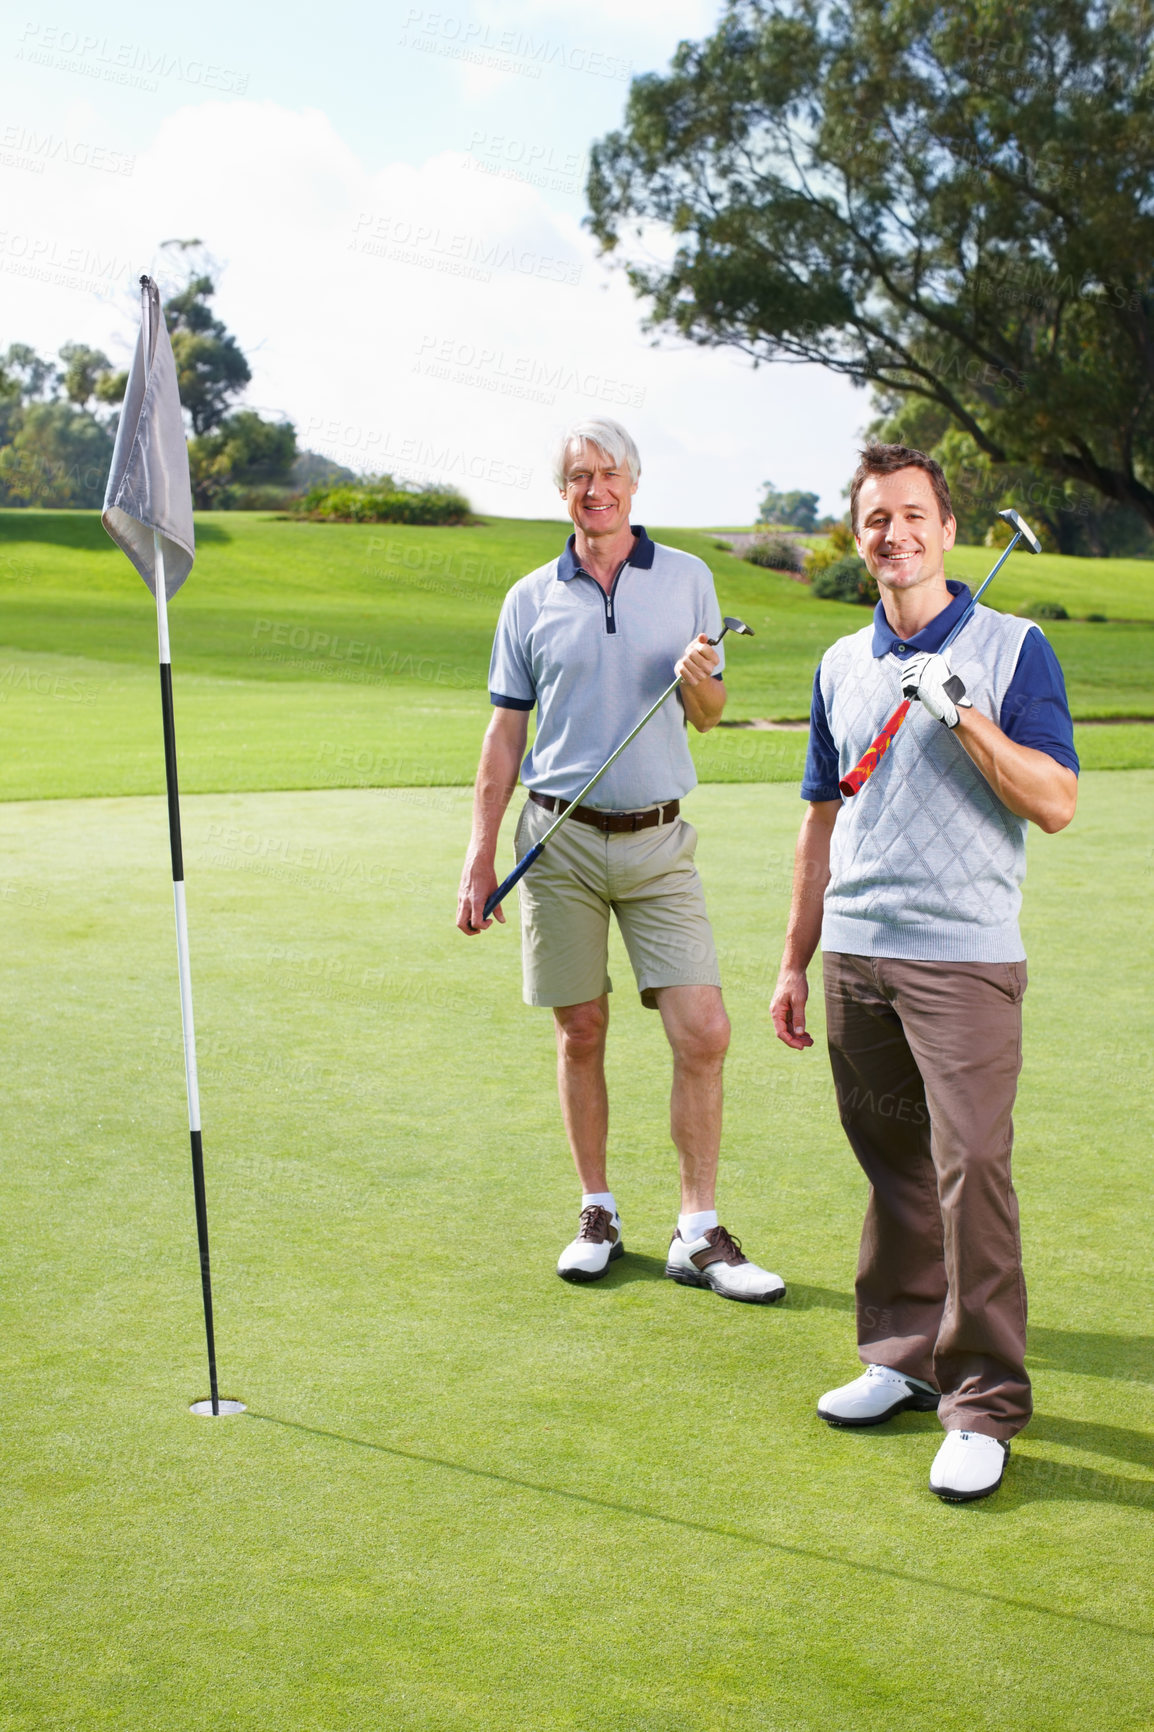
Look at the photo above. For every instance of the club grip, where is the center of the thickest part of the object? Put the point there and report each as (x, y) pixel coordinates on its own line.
(514, 877)
(868, 763)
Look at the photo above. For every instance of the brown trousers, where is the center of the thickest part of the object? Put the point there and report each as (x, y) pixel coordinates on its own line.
(925, 1059)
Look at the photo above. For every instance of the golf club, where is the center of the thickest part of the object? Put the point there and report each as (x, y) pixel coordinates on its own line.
(856, 778)
(534, 853)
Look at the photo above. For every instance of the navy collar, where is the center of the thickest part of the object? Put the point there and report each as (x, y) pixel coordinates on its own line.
(642, 555)
(932, 636)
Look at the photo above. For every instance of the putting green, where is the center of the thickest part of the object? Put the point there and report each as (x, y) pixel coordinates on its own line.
(466, 1495)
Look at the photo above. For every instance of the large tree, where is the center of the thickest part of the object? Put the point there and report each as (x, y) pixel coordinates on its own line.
(953, 203)
(58, 457)
(795, 509)
(242, 455)
(210, 366)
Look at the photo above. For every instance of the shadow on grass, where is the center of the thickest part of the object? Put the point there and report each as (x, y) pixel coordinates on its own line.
(955, 1588)
(633, 1266)
(81, 529)
(800, 1298)
(78, 529)
(1129, 1358)
(1124, 1358)
(1087, 1434)
(1030, 1480)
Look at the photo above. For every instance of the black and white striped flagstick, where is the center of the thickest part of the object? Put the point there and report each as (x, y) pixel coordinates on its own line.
(214, 1405)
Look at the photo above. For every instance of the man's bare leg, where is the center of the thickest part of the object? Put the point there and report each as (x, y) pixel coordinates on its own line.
(698, 1032)
(581, 1031)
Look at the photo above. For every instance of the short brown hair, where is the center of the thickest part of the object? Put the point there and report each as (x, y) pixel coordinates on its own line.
(879, 459)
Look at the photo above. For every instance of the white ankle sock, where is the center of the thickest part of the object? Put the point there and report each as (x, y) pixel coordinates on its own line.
(696, 1226)
(598, 1200)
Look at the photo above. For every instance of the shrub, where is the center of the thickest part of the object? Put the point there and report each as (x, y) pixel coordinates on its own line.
(846, 580)
(1095, 619)
(381, 499)
(1045, 610)
(777, 553)
(837, 545)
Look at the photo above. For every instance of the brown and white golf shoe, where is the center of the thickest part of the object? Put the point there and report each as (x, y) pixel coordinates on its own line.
(716, 1260)
(598, 1243)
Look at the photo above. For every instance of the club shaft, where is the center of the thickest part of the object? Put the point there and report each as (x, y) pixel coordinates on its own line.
(610, 760)
(523, 865)
(974, 600)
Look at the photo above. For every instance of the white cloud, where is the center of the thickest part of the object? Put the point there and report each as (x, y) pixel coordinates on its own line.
(436, 319)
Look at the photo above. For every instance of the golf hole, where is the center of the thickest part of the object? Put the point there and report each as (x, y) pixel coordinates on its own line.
(223, 1406)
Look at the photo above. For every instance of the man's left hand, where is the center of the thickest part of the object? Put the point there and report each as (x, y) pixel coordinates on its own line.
(698, 662)
(928, 678)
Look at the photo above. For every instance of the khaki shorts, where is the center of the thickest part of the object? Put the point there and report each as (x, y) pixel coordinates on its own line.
(647, 878)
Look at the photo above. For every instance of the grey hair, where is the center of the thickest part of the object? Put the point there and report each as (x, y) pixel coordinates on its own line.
(608, 436)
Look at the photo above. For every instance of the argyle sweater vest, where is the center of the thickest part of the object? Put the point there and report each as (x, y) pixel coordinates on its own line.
(925, 862)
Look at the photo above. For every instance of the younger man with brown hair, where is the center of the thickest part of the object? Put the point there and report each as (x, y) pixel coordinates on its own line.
(913, 889)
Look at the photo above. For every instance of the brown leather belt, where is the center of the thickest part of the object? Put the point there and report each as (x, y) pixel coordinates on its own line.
(612, 823)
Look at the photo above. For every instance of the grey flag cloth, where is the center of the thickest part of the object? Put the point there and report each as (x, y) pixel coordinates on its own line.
(148, 485)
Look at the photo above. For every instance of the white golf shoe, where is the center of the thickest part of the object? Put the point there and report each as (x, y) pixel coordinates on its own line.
(969, 1465)
(598, 1243)
(716, 1260)
(876, 1396)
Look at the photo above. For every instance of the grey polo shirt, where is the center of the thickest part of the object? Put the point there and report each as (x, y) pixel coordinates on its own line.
(592, 663)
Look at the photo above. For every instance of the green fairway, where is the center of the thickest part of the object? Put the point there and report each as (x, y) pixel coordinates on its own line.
(466, 1495)
(347, 655)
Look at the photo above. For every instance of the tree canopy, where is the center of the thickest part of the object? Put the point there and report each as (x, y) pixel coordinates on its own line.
(53, 450)
(58, 457)
(953, 203)
(240, 457)
(210, 366)
(793, 510)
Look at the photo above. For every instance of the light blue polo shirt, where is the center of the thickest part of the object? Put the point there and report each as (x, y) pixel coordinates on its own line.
(592, 663)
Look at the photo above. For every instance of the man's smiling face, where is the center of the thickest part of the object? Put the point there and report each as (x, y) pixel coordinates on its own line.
(598, 495)
(900, 533)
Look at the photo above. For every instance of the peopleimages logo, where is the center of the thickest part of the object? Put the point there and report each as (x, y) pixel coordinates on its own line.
(525, 377)
(473, 256)
(24, 147)
(128, 63)
(511, 50)
(46, 259)
(417, 460)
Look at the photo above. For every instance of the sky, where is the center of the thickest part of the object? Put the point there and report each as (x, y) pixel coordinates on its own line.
(393, 198)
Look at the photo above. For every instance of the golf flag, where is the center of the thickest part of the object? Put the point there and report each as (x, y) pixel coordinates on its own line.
(148, 491)
(148, 513)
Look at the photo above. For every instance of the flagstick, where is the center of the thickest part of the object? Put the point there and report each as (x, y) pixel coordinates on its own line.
(183, 965)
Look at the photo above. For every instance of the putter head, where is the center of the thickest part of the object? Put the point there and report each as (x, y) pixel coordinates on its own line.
(1023, 529)
(731, 624)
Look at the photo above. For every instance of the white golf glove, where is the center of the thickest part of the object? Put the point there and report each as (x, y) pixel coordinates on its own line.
(928, 678)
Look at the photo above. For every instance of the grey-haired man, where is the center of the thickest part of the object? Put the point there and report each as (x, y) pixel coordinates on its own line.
(590, 640)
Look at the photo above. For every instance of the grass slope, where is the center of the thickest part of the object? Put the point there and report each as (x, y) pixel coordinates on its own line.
(467, 1496)
(310, 655)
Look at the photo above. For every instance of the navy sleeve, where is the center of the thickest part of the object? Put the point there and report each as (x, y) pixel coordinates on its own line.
(821, 759)
(1034, 710)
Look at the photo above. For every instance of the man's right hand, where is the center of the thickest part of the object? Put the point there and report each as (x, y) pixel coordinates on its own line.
(478, 882)
(788, 1008)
